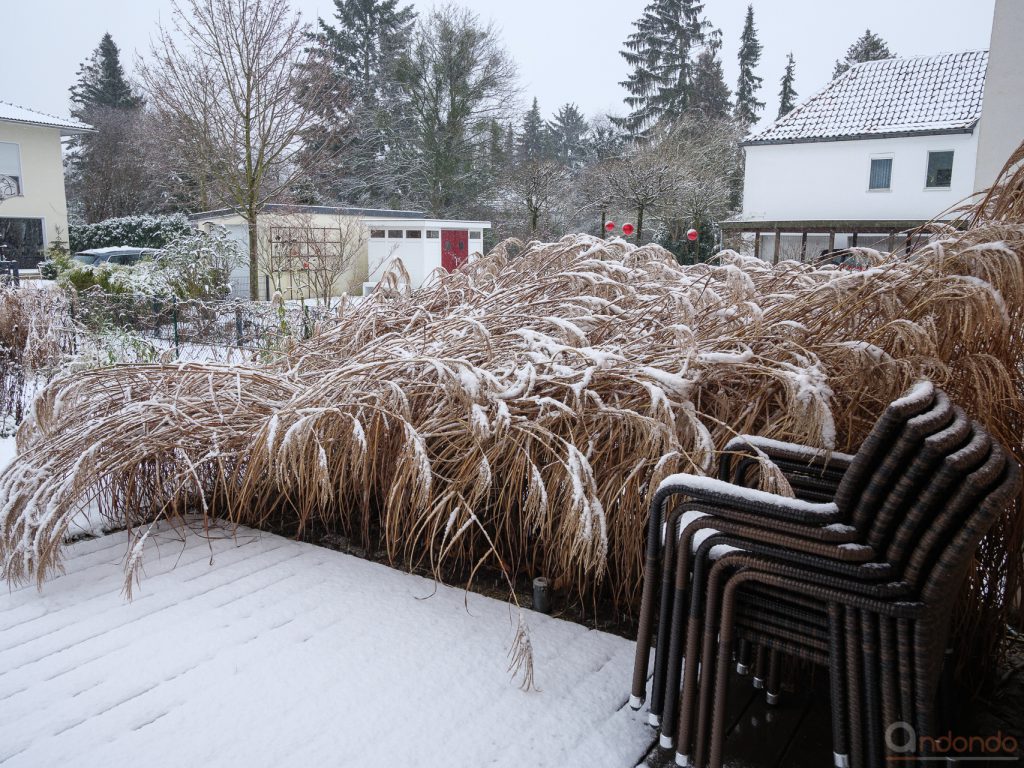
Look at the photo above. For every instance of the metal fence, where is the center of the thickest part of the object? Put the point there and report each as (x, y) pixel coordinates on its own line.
(125, 328)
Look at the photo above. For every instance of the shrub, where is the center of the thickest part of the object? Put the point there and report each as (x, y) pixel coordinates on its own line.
(136, 231)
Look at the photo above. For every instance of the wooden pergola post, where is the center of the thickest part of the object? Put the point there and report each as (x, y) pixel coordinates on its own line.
(831, 239)
(757, 245)
(853, 240)
(910, 240)
(803, 246)
(892, 240)
(775, 247)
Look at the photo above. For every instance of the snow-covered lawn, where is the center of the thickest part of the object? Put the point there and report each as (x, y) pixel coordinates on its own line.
(261, 651)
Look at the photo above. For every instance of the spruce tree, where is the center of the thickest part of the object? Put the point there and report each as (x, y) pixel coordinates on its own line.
(569, 135)
(660, 53)
(710, 93)
(787, 95)
(747, 104)
(533, 140)
(363, 46)
(101, 81)
(867, 47)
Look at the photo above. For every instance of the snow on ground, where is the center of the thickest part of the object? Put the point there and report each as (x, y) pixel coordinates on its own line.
(6, 451)
(261, 651)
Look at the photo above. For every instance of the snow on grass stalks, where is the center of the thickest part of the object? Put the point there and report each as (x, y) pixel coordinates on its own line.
(522, 409)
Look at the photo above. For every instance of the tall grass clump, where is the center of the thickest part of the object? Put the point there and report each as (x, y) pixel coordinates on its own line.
(520, 410)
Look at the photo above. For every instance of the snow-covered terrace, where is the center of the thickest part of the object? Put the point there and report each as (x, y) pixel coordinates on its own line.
(255, 650)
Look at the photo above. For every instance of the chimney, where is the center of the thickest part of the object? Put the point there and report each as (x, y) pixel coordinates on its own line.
(1001, 128)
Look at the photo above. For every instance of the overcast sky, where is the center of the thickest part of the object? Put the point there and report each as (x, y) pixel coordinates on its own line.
(566, 50)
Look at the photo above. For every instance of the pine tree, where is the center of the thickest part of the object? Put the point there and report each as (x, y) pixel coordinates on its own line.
(569, 135)
(363, 46)
(787, 96)
(710, 93)
(660, 53)
(747, 105)
(101, 81)
(868, 47)
(533, 139)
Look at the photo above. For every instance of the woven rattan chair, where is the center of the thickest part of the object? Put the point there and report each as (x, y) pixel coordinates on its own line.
(881, 661)
(783, 514)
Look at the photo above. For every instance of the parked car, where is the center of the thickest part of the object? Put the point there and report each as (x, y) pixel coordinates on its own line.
(120, 255)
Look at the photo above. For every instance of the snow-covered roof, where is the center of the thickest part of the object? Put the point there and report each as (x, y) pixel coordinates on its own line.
(332, 210)
(892, 97)
(12, 113)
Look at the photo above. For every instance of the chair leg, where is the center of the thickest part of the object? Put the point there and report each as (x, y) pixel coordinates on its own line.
(680, 623)
(774, 677)
(853, 687)
(760, 663)
(837, 686)
(743, 658)
(652, 576)
(889, 675)
(661, 656)
(869, 652)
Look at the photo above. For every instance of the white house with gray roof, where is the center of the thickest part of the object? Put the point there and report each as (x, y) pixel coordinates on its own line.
(33, 206)
(884, 148)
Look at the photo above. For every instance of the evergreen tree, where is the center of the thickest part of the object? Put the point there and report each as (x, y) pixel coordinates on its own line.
(101, 82)
(368, 38)
(569, 135)
(868, 47)
(106, 174)
(787, 96)
(361, 51)
(710, 93)
(660, 53)
(533, 139)
(747, 105)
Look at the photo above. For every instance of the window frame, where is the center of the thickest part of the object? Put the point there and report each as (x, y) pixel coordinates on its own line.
(21, 168)
(396, 234)
(433, 234)
(476, 234)
(414, 234)
(871, 162)
(381, 236)
(927, 166)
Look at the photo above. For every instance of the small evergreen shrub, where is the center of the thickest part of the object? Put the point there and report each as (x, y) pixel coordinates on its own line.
(133, 231)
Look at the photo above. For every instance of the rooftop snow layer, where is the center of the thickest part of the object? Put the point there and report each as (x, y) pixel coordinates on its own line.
(15, 114)
(926, 94)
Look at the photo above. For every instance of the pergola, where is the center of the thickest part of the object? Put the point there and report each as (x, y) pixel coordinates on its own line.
(895, 228)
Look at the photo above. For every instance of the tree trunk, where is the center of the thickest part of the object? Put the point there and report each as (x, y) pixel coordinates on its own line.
(639, 224)
(254, 262)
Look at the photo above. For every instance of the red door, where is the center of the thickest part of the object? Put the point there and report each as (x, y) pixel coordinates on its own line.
(454, 248)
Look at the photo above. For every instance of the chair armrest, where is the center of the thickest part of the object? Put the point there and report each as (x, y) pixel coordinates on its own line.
(788, 456)
(723, 497)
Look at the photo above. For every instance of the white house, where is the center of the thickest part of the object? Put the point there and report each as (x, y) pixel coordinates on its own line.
(884, 148)
(309, 251)
(33, 207)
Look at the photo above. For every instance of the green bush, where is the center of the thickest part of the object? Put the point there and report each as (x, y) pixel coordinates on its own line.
(133, 231)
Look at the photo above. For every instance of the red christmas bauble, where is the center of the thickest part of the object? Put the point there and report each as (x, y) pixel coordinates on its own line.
(609, 226)
(628, 229)
(691, 235)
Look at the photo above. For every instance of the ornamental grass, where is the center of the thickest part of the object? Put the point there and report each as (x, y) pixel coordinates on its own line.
(518, 412)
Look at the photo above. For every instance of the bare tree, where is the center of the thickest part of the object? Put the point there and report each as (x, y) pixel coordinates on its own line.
(234, 80)
(534, 185)
(641, 180)
(318, 258)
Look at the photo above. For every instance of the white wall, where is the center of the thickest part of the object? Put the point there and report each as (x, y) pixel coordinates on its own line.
(42, 174)
(1001, 129)
(827, 181)
(412, 252)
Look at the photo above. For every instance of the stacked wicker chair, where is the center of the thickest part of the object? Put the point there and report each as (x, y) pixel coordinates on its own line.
(856, 574)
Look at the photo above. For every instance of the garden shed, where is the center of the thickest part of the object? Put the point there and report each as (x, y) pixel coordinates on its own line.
(324, 251)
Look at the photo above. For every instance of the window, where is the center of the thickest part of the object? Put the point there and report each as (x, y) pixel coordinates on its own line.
(433, 234)
(377, 234)
(10, 169)
(881, 173)
(940, 169)
(413, 233)
(396, 233)
(24, 241)
(475, 234)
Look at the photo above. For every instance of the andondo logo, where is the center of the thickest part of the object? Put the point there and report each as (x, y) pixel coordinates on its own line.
(902, 739)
